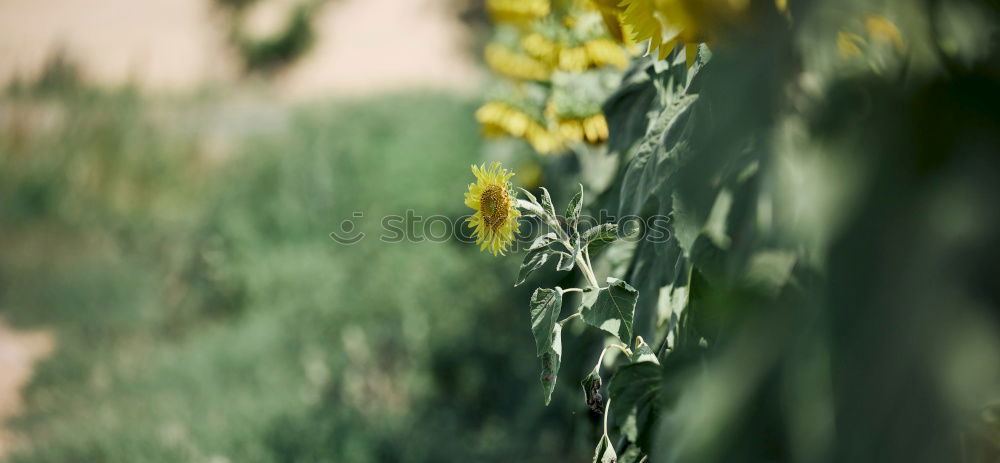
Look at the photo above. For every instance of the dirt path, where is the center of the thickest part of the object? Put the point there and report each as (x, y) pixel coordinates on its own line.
(19, 350)
(363, 46)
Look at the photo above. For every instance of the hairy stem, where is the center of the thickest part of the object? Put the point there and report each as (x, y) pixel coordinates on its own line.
(567, 319)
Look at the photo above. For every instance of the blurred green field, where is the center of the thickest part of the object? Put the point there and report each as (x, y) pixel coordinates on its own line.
(202, 313)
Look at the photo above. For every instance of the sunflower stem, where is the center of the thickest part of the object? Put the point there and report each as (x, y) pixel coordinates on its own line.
(566, 320)
(607, 408)
(587, 271)
(600, 360)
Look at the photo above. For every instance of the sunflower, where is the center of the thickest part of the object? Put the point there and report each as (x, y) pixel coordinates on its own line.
(593, 129)
(665, 23)
(518, 11)
(517, 65)
(495, 220)
(498, 118)
(882, 30)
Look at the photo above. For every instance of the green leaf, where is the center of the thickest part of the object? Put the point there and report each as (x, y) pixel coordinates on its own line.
(528, 195)
(530, 208)
(547, 204)
(573, 209)
(613, 309)
(643, 353)
(550, 363)
(595, 238)
(627, 110)
(543, 241)
(545, 306)
(657, 156)
(566, 262)
(533, 260)
(634, 387)
(770, 270)
(605, 452)
(598, 167)
(686, 225)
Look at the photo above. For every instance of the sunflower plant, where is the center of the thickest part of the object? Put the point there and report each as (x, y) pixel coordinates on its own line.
(608, 306)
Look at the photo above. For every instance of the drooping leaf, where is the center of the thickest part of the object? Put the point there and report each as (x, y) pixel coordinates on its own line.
(543, 241)
(613, 309)
(566, 262)
(530, 208)
(592, 391)
(528, 195)
(533, 260)
(550, 363)
(545, 306)
(605, 452)
(634, 387)
(599, 236)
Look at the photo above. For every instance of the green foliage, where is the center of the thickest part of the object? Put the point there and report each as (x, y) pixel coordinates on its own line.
(285, 46)
(612, 309)
(202, 310)
(545, 306)
(814, 203)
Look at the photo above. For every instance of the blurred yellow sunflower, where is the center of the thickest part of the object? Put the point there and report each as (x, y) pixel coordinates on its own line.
(495, 220)
(498, 118)
(516, 65)
(516, 11)
(879, 29)
(593, 129)
(666, 23)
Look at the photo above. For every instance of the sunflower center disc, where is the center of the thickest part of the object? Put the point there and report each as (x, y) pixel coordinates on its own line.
(494, 204)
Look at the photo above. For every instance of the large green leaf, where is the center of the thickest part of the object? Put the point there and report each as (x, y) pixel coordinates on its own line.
(658, 155)
(628, 109)
(634, 387)
(545, 306)
(634, 392)
(650, 273)
(613, 309)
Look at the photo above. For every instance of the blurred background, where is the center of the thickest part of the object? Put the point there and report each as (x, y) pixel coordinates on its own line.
(170, 172)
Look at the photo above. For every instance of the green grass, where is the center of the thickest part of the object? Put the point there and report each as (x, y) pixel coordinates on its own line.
(202, 310)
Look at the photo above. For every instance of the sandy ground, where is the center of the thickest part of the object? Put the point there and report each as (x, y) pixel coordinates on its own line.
(19, 350)
(363, 46)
